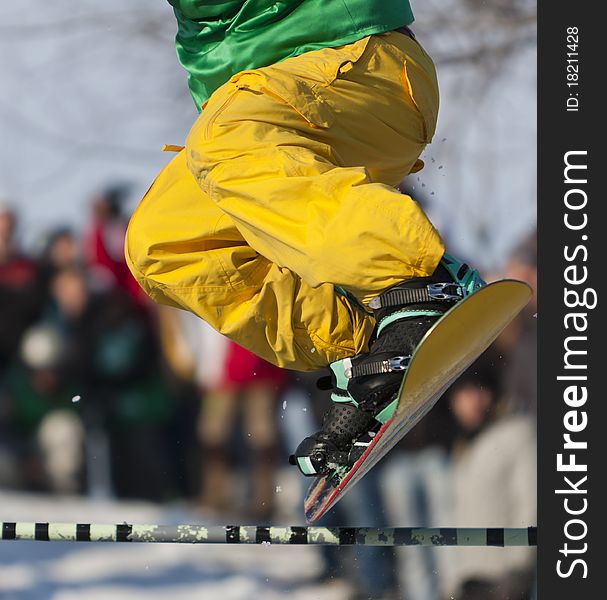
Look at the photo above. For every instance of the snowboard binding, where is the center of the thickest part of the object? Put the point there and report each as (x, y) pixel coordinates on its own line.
(345, 434)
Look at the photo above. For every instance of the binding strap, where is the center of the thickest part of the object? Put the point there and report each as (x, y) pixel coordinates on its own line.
(433, 292)
(377, 367)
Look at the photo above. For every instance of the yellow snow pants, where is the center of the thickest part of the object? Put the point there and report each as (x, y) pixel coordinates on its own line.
(285, 197)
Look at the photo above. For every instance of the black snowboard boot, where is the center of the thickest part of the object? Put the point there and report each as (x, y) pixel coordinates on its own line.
(365, 386)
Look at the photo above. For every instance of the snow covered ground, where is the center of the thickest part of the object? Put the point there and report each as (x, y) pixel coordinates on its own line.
(102, 571)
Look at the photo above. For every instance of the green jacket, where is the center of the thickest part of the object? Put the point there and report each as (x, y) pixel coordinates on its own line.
(219, 38)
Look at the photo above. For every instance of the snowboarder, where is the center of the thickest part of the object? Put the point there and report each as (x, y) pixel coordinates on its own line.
(280, 222)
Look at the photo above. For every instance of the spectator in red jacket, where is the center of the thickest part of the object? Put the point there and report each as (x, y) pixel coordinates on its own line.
(104, 243)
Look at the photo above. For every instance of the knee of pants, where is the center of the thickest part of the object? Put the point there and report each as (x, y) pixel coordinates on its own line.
(168, 235)
(136, 254)
(146, 262)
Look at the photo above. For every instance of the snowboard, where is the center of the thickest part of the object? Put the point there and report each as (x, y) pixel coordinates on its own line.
(448, 348)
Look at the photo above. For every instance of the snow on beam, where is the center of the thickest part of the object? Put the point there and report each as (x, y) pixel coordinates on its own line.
(255, 534)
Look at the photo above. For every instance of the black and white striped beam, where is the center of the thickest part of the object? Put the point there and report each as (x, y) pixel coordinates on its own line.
(243, 534)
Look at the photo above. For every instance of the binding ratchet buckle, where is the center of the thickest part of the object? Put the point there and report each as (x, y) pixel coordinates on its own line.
(398, 363)
(446, 291)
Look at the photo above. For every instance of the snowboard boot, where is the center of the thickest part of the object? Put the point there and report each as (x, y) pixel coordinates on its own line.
(365, 387)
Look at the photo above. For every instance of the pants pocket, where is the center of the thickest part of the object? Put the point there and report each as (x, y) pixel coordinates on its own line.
(298, 81)
(298, 94)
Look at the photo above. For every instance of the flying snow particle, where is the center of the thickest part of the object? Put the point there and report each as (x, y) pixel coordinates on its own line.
(278, 489)
(76, 399)
(284, 405)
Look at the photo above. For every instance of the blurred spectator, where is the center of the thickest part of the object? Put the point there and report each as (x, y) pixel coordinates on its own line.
(519, 342)
(19, 297)
(128, 396)
(60, 438)
(36, 398)
(104, 243)
(249, 386)
(237, 419)
(59, 250)
(473, 400)
(19, 307)
(494, 485)
(415, 488)
(99, 347)
(178, 368)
